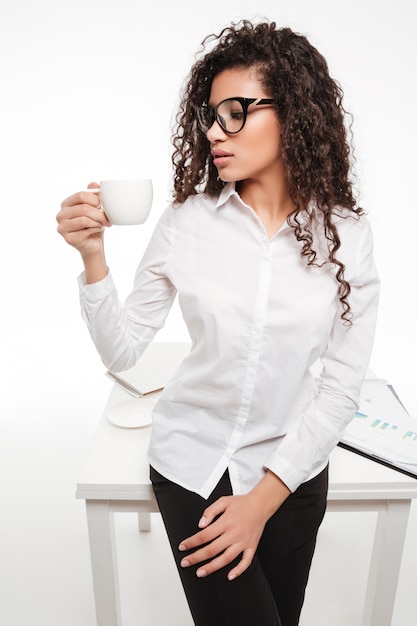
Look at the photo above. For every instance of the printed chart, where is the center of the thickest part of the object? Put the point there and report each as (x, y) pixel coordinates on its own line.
(382, 428)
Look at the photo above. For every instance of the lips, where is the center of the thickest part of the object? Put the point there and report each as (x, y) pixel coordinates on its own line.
(221, 157)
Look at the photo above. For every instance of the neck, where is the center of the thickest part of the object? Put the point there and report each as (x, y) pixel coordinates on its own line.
(271, 202)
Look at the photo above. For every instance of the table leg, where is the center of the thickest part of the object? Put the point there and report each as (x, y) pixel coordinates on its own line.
(144, 522)
(100, 518)
(385, 563)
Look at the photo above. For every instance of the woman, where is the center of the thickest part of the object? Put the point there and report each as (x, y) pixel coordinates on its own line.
(272, 262)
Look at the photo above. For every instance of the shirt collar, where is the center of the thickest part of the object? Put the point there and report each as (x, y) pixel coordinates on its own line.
(229, 190)
(226, 193)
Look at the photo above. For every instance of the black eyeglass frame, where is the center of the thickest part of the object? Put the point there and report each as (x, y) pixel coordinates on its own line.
(244, 102)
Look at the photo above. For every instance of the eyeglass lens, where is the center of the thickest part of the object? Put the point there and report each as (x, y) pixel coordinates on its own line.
(230, 115)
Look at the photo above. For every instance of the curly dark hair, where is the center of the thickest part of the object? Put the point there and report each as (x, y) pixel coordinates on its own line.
(317, 154)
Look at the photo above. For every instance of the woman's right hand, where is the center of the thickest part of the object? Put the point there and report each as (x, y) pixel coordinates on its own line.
(81, 223)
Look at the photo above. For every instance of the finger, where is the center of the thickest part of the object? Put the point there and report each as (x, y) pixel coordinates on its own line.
(245, 561)
(81, 211)
(211, 521)
(75, 211)
(82, 197)
(77, 224)
(81, 238)
(199, 539)
(218, 563)
(213, 511)
(213, 530)
(205, 553)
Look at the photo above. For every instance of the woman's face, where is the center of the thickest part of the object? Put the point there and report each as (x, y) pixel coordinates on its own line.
(254, 152)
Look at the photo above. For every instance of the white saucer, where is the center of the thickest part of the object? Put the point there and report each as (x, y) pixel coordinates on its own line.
(129, 414)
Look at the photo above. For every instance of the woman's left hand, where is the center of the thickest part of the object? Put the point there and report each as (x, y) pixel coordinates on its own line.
(233, 526)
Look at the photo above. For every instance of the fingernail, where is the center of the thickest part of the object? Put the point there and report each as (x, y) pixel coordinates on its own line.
(185, 563)
(231, 576)
(201, 573)
(181, 547)
(202, 522)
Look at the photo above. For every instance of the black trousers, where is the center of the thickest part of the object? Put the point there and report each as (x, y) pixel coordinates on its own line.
(271, 591)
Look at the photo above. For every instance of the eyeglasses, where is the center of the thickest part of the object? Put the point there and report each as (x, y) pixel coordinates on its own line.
(230, 114)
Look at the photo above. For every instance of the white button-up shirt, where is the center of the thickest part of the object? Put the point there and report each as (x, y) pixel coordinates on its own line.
(258, 317)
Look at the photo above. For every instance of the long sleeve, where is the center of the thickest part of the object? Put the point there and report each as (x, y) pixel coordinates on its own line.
(121, 333)
(312, 437)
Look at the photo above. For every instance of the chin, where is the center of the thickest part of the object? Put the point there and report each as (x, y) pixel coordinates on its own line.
(227, 178)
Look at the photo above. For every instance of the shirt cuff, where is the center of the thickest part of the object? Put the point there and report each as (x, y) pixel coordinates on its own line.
(289, 475)
(285, 471)
(95, 292)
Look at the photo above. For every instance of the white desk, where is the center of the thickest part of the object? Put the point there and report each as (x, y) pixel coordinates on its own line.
(115, 478)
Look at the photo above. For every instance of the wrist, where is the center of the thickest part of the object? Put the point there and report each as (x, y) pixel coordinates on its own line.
(269, 494)
(95, 267)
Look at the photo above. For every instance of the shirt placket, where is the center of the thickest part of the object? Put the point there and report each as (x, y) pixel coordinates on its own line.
(254, 345)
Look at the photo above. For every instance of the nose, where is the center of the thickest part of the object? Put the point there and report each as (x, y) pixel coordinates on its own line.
(216, 132)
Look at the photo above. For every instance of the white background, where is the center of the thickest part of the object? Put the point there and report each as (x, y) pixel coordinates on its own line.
(87, 91)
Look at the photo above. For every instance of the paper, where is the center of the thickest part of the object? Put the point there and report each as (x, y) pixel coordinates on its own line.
(383, 428)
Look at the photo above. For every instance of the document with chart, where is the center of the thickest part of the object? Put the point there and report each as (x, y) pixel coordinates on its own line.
(382, 429)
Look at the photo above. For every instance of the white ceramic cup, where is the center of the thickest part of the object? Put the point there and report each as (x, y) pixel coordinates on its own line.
(126, 202)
